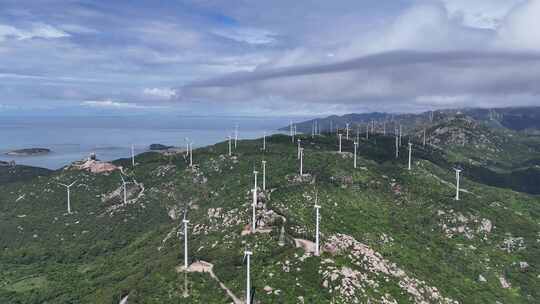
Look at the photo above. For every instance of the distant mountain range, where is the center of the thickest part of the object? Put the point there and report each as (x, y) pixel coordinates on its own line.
(513, 118)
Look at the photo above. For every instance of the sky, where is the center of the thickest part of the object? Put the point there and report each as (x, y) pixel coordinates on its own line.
(266, 58)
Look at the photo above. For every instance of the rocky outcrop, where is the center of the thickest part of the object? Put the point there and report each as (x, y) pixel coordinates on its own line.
(96, 166)
(369, 267)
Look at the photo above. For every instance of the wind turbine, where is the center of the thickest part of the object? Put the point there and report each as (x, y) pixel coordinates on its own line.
(264, 174)
(186, 222)
(68, 187)
(317, 219)
(187, 146)
(191, 154)
(298, 148)
(367, 131)
(124, 183)
(400, 133)
(230, 145)
(424, 141)
(355, 148)
(292, 133)
(254, 205)
(458, 171)
(410, 155)
(247, 260)
(235, 136)
(301, 162)
(340, 135)
(397, 146)
(132, 155)
(347, 130)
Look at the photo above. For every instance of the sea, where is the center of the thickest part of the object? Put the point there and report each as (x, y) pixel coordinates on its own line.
(72, 138)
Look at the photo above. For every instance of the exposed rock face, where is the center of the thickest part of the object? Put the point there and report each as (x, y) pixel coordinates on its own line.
(512, 244)
(461, 131)
(29, 152)
(96, 166)
(504, 283)
(352, 284)
(468, 225)
(308, 246)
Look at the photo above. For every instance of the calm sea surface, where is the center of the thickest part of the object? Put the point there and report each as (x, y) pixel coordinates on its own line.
(73, 138)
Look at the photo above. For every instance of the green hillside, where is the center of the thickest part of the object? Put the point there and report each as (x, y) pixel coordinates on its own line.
(388, 235)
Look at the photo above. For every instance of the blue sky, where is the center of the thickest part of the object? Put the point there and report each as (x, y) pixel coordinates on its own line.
(266, 57)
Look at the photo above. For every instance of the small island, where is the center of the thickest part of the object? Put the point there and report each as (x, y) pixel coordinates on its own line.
(29, 152)
(159, 147)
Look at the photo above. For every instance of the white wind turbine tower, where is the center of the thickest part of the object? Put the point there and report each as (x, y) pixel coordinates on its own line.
(298, 149)
(132, 155)
(124, 183)
(247, 260)
(397, 146)
(347, 130)
(264, 175)
(191, 154)
(301, 162)
(230, 145)
(400, 132)
(235, 136)
(340, 135)
(254, 205)
(355, 148)
(317, 219)
(367, 131)
(410, 155)
(186, 222)
(68, 187)
(458, 171)
(187, 145)
(424, 141)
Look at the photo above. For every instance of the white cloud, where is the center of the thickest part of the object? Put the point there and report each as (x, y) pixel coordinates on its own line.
(78, 29)
(247, 35)
(110, 104)
(520, 27)
(485, 14)
(160, 93)
(443, 101)
(38, 30)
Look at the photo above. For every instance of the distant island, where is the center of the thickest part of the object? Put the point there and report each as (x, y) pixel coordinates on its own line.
(28, 152)
(159, 147)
